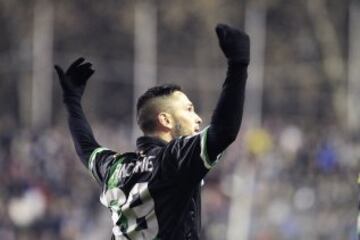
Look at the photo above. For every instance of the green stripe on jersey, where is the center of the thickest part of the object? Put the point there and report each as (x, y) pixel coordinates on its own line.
(204, 152)
(93, 157)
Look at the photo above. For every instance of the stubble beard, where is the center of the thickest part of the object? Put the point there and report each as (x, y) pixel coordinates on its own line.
(178, 130)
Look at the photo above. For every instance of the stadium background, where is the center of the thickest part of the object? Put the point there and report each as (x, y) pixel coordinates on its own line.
(291, 173)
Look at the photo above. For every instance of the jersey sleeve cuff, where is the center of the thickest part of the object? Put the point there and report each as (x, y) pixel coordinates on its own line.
(208, 163)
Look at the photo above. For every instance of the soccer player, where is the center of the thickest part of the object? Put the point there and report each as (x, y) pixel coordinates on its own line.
(154, 192)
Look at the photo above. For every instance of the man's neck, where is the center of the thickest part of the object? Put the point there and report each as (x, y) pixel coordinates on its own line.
(165, 136)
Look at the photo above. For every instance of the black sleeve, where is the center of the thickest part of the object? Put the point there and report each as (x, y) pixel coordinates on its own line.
(96, 158)
(192, 157)
(227, 116)
(80, 129)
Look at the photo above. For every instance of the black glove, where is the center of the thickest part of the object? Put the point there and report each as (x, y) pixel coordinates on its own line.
(234, 43)
(73, 81)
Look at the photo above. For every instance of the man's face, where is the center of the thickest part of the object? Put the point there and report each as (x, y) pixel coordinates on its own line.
(185, 120)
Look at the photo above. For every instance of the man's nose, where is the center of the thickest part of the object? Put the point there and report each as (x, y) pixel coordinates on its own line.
(198, 120)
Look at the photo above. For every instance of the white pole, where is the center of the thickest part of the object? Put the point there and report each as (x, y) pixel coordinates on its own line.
(244, 178)
(145, 60)
(353, 99)
(243, 184)
(255, 26)
(41, 96)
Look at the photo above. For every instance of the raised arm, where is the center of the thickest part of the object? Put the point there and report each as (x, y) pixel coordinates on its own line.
(73, 83)
(227, 116)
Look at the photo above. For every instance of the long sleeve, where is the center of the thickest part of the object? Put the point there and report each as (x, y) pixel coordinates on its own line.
(227, 116)
(80, 129)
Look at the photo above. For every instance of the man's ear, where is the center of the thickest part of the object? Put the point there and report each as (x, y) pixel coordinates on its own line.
(165, 120)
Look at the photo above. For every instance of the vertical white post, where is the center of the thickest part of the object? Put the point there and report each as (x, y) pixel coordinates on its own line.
(244, 177)
(41, 97)
(353, 96)
(255, 26)
(145, 60)
(243, 184)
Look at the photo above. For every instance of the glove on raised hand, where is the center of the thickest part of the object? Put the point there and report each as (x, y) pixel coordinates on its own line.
(234, 43)
(74, 80)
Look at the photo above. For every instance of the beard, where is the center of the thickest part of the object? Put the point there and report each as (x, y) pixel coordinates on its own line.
(178, 130)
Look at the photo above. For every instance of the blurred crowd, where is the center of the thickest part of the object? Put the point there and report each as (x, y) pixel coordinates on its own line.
(46, 192)
(304, 184)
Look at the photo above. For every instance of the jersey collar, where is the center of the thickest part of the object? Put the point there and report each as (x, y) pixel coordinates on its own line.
(145, 143)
